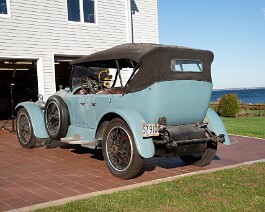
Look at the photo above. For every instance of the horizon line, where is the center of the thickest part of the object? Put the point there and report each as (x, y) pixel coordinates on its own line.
(242, 88)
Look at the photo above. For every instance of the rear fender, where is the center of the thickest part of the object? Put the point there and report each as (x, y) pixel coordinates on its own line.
(36, 117)
(135, 121)
(216, 125)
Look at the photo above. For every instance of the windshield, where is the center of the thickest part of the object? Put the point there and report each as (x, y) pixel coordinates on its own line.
(186, 65)
(94, 73)
(105, 73)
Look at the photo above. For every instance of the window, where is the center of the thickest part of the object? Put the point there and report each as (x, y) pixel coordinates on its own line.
(4, 8)
(73, 10)
(186, 65)
(81, 11)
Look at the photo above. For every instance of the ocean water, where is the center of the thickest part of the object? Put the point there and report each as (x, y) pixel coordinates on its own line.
(246, 95)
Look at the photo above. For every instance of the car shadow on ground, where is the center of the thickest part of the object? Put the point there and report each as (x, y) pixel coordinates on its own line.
(78, 149)
(94, 153)
(149, 164)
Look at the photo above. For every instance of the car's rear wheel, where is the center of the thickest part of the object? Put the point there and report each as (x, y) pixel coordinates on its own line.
(202, 159)
(119, 150)
(56, 117)
(24, 130)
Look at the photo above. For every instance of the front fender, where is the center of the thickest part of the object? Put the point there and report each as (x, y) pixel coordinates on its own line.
(145, 146)
(36, 117)
(216, 125)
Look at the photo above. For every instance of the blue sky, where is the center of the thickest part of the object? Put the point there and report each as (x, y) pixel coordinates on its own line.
(233, 29)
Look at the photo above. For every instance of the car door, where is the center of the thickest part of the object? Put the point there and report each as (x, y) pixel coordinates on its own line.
(82, 112)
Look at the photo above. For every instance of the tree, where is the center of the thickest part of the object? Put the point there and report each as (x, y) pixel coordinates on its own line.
(229, 105)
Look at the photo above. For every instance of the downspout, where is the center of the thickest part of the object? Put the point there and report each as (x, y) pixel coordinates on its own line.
(129, 22)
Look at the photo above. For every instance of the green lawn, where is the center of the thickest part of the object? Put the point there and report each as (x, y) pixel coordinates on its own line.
(238, 189)
(249, 126)
(257, 112)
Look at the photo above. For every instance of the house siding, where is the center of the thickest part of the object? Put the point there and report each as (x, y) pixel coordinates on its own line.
(145, 21)
(40, 29)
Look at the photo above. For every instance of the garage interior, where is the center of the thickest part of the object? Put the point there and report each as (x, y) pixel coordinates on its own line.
(20, 75)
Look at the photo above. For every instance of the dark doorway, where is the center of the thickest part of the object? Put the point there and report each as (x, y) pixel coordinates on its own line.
(20, 75)
(63, 70)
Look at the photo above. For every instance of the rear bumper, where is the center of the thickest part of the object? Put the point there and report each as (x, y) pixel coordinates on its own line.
(184, 140)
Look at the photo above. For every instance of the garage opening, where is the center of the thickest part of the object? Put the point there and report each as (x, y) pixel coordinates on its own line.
(20, 75)
(63, 69)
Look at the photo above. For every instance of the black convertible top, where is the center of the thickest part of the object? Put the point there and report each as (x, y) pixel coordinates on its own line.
(154, 62)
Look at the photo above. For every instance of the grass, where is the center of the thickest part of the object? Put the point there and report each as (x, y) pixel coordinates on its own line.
(251, 113)
(258, 112)
(248, 126)
(238, 189)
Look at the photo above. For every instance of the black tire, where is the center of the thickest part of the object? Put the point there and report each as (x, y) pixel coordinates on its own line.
(101, 132)
(56, 117)
(24, 129)
(205, 158)
(119, 150)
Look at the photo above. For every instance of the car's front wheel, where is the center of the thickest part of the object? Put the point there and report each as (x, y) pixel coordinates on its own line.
(119, 150)
(25, 131)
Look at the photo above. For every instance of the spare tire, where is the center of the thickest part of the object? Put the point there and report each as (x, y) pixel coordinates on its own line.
(56, 117)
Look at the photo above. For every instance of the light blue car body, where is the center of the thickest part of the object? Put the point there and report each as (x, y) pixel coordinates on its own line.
(180, 101)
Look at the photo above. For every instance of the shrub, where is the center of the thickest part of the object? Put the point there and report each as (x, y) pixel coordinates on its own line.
(229, 105)
(214, 106)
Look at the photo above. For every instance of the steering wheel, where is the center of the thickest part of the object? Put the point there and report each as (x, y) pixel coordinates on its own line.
(90, 86)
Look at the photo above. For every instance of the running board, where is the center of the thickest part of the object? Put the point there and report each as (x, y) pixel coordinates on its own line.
(76, 139)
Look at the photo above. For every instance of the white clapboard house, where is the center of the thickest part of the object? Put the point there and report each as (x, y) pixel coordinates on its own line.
(38, 39)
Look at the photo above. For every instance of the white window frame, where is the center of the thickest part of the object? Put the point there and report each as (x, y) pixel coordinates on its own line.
(8, 15)
(81, 10)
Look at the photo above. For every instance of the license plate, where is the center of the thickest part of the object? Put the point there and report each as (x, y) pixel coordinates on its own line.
(150, 130)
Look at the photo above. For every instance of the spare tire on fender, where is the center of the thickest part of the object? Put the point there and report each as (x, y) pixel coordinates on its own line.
(56, 117)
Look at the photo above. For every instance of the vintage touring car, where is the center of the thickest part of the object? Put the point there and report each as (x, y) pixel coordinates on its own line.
(133, 101)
